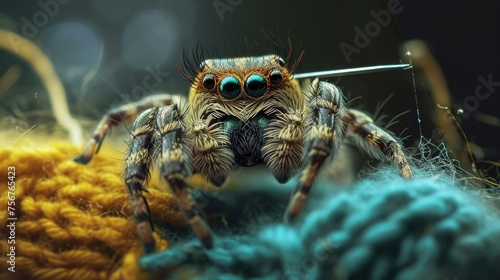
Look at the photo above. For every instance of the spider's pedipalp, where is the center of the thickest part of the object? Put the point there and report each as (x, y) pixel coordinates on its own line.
(283, 148)
(174, 159)
(213, 158)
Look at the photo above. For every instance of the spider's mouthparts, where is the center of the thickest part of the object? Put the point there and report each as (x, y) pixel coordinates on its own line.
(246, 138)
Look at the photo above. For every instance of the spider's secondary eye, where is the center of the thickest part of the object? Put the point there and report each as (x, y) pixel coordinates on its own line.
(275, 77)
(255, 85)
(202, 66)
(281, 62)
(208, 82)
(229, 87)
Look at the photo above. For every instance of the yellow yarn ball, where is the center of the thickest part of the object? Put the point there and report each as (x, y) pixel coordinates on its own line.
(73, 221)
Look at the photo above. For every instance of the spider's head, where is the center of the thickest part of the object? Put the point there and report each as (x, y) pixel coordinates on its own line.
(243, 88)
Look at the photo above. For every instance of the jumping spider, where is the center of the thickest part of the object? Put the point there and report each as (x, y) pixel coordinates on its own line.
(242, 112)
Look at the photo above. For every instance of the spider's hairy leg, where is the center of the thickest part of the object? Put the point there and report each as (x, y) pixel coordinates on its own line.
(374, 140)
(174, 159)
(325, 134)
(137, 164)
(124, 113)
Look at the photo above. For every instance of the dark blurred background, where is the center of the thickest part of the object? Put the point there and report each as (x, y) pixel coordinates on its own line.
(103, 50)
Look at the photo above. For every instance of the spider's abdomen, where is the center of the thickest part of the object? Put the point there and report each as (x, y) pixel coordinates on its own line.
(246, 138)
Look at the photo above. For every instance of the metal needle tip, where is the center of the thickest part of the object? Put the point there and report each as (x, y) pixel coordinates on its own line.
(353, 71)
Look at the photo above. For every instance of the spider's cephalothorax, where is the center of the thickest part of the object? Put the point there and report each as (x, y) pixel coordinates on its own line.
(246, 111)
(242, 112)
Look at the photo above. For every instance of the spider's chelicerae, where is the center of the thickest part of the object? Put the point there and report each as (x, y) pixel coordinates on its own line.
(242, 112)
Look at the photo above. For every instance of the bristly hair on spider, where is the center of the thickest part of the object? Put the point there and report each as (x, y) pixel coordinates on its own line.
(193, 61)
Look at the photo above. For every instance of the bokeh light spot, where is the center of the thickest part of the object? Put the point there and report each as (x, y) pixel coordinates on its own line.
(75, 50)
(148, 39)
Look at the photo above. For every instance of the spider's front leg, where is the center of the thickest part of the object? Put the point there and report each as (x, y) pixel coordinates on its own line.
(174, 159)
(138, 161)
(325, 132)
(328, 117)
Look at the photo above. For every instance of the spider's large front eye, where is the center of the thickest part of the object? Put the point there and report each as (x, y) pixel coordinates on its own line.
(275, 77)
(208, 82)
(255, 85)
(229, 87)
